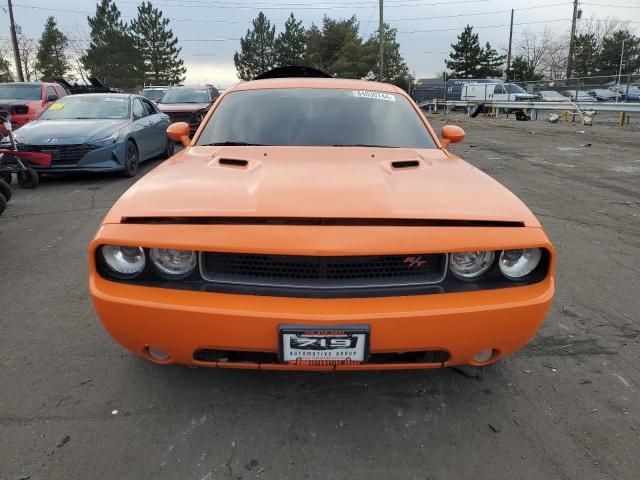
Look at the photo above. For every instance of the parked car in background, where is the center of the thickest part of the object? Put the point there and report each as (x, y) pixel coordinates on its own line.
(25, 101)
(551, 96)
(604, 95)
(320, 224)
(581, 97)
(630, 94)
(154, 92)
(98, 132)
(188, 104)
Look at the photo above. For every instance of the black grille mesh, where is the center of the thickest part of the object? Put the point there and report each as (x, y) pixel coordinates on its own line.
(323, 272)
(61, 154)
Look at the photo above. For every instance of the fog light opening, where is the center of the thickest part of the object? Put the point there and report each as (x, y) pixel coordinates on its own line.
(485, 356)
(157, 354)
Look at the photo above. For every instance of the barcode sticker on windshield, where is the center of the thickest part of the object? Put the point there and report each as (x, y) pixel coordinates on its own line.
(374, 95)
(114, 99)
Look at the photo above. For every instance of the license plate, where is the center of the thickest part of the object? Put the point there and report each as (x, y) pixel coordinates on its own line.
(333, 344)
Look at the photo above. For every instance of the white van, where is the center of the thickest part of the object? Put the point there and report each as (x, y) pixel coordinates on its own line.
(495, 92)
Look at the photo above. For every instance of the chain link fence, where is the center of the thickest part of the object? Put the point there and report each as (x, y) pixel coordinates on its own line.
(584, 90)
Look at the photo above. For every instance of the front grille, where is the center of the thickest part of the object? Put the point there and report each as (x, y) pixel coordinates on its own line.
(210, 355)
(61, 154)
(20, 109)
(312, 272)
(181, 117)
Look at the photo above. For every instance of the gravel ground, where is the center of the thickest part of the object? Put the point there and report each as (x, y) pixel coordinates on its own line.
(74, 405)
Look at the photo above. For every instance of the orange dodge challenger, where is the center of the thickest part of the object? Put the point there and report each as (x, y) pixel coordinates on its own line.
(320, 224)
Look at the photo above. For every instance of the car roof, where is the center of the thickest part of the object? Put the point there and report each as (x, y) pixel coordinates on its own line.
(313, 82)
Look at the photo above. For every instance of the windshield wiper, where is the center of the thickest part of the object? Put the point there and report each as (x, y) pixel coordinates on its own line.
(361, 145)
(235, 144)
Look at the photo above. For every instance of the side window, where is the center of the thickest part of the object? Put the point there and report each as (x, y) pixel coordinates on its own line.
(213, 93)
(50, 91)
(498, 90)
(148, 108)
(138, 110)
(61, 91)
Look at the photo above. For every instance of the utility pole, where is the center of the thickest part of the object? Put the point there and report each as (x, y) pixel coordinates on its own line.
(14, 40)
(509, 52)
(573, 34)
(381, 34)
(620, 67)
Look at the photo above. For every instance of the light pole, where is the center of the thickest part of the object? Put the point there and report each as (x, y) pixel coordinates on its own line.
(381, 52)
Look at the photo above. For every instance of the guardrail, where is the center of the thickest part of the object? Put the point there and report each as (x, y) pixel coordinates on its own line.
(521, 105)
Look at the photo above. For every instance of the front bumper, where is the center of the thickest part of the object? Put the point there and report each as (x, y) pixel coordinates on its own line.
(101, 160)
(181, 322)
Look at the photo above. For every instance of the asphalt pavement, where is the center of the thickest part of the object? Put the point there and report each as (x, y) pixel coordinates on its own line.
(74, 405)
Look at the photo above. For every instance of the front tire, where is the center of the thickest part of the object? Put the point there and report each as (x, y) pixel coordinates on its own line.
(3, 204)
(28, 178)
(7, 177)
(131, 160)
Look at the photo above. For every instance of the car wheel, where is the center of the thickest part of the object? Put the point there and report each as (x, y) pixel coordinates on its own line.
(171, 149)
(7, 177)
(131, 160)
(5, 190)
(28, 178)
(3, 204)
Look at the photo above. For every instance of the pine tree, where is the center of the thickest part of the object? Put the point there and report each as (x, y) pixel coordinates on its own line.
(585, 55)
(609, 58)
(466, 55)
(313, 39)
(158, 47)
(112, 55)
(290, 44)
(257, 49)
(522, 71)
(340, 45)
(51, 60)
(490, 63)
(394, 68)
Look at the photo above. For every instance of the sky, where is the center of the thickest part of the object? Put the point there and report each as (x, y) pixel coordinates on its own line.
(209, 30)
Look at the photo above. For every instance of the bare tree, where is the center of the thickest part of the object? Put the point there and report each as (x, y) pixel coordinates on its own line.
(601, 28)
(28, 51)
(554, 63)
(79, 39)
(534, 46)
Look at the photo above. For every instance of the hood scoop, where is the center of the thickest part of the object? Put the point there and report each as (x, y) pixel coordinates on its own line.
(400, 164)
(233, 162)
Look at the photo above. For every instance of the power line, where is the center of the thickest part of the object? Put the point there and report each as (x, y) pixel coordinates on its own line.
(475, 14)
(610, 6)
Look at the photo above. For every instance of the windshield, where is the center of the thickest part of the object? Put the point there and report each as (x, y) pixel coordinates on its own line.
(88, 107)
(186, 95)
(153, 93)
(316, 117)
(551, 94)
(20, 92)
(511, 88)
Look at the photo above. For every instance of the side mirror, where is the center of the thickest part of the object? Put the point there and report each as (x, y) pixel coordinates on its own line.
(179, 132)
(52, 98)
(451, 134)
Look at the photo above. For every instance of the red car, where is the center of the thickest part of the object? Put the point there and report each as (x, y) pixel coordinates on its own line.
(25, 101)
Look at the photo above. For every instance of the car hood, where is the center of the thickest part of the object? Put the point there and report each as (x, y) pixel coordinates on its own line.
(320, 182)
(181, 107)
(67, 131)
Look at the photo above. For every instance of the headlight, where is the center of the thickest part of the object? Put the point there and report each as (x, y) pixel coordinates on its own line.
(516, 264)
(126, 262)
(173, 264)
(110, 140)
(467, 265)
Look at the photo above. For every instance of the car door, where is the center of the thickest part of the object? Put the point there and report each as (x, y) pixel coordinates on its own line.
(158, 124)
(141, 131)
